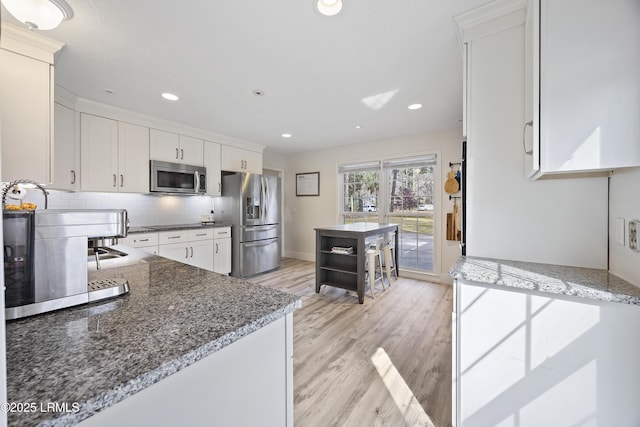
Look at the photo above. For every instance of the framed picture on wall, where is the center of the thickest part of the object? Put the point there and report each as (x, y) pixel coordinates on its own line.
(308, 184)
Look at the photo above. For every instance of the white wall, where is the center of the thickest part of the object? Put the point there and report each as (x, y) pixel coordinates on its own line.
(559, 221)
(624, 203)
(303, 214)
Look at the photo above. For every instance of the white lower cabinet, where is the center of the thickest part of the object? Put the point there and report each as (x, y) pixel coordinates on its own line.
(193, 247)
(527, 358)
(147, 242)
(222, 250)
(247, 383)
(207, 248)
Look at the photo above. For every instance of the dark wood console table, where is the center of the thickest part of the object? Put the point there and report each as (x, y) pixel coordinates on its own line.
(347, 271)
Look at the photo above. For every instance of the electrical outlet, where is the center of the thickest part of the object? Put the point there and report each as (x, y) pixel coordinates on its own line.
(634, 228)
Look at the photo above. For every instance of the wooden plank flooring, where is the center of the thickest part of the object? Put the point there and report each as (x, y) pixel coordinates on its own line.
(384, 363)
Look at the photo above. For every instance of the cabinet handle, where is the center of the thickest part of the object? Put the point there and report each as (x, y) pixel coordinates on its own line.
(114, 179)
(173, 237)
(121, 180)
(524, 131)
(181, 154)
(201, 234)
(143, 240)
(191, 251)
(73, 177)
(216, 248)
(176, 153)
(219, 187)
(186, 252)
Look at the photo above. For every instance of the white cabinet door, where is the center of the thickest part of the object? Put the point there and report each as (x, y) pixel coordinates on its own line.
(212, 163)
(239, 160)
(253, 161)
(544, 357)
(171, 147)
(191, 151)
(589, 85)
(175, 251)
(133, 158)
(164, 146)
(66, 143)
(201, 254)
(232, 159)
(222, 256)
(99, 153)
(25, 113)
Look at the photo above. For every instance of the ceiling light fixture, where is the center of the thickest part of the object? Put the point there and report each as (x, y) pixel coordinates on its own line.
(39, 14)
(170, 96)
(328, 7)
(414, 106)
(286, 135)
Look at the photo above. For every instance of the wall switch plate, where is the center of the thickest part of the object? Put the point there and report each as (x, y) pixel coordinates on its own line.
(620, 231)
(634, 229)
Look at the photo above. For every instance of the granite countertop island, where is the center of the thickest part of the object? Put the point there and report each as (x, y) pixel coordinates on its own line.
(87, 358)
(588, 283)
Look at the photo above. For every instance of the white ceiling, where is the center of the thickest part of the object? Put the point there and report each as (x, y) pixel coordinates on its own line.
(316, 72)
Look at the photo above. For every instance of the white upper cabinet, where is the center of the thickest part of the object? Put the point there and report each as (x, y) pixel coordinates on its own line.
(171, 147)
(114, 155)
(26, 104)
(212, 164)
(587, 65)
(98, 153)
(66, 166)
(239, 160)
(133, 158)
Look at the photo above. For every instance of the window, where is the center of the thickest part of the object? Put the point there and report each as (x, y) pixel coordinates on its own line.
(360, 192)
(400, 191)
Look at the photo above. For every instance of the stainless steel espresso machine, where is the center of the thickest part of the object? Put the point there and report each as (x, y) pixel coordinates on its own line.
(46, 255)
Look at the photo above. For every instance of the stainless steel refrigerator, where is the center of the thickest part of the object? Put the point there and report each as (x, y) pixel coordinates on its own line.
(251, 204)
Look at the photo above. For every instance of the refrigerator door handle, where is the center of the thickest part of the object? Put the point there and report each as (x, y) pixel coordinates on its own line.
(259, 243)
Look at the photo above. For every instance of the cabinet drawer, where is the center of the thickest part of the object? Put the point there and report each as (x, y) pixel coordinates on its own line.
(206, 234)
(139, 240)
(167, 237)
(222, 233)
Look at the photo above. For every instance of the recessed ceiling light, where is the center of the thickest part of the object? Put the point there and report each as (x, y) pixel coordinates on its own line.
(258, 92)
(170, 96)
(286, 135)
(357, 126)
(109, 91)
(328, 7)
(414, 106)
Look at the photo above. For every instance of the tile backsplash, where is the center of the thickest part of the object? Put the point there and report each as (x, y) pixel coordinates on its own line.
(142, 209)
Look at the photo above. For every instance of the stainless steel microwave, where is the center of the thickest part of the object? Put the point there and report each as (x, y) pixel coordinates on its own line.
(169, 177)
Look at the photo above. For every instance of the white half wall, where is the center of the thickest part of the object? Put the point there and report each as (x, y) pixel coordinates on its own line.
(556, 221)
(624, 203)
(303, 214)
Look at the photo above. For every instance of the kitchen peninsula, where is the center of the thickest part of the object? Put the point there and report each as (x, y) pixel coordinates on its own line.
(543, 344)
(186, 346)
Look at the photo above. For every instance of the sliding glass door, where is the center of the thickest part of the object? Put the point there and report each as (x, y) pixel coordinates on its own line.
(400, 191)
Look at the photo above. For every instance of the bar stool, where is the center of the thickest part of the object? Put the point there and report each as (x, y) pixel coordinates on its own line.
(388, 248)
(374, 258)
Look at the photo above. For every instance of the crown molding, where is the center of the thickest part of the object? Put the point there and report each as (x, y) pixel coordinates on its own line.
(88, 106)
(28, 43)
(489, 18)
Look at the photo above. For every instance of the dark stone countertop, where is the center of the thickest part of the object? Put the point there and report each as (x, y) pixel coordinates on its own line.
(93, 356)
(588, 283)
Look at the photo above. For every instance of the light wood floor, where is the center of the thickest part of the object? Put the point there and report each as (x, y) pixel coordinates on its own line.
(384, 363)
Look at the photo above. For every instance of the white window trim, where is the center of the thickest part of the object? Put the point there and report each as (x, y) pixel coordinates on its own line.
(438, 233)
